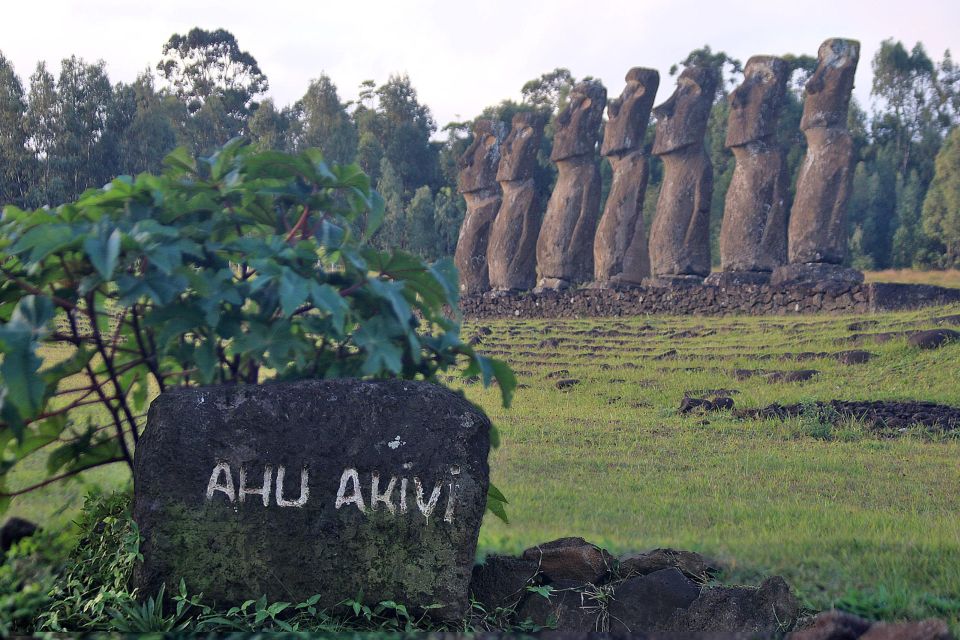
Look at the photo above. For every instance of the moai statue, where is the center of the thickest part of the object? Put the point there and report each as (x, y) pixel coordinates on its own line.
(817, 236)
(620, 253)
(477, 181)
(511, 252)
(753, 236)
(565, 245)
(680, 235)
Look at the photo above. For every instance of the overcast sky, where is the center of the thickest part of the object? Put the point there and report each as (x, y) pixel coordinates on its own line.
(464, 56)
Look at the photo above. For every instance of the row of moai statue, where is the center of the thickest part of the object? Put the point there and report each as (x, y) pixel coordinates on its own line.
(503, 246)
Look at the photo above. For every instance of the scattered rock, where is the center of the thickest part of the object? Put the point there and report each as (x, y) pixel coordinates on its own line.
(666, 355)
(951, 320)
(549, 343)
(800, 375)
(746, 609)
(501, 581)
(922, 630)
(693, 565)
(571, 559)
(861, 325)
(13, 531)
(720, 403)
(838, 625)
(853, 356)
(567, 383)
(880, 415)
(649, 602)
(933, 338)
(833, 625)
(484, 331)
(558, 374)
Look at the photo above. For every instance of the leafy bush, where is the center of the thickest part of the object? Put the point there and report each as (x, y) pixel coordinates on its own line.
(234, 269)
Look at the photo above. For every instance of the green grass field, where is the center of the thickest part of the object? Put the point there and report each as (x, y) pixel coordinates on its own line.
(846, 516)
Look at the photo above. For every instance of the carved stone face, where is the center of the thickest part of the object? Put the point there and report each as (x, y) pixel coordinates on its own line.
(828, 90)
(519, 151)
(628, 115)
(478, 165)
(755, 104)
(682, 119)
(578, 125)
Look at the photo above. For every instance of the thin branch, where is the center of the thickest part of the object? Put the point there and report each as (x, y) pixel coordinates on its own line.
(29, 288)
(57, 478)
(299, 225)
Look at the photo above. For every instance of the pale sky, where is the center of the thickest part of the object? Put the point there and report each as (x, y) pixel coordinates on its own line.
(462, 57)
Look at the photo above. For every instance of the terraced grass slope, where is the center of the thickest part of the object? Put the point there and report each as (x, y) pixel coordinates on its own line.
(851, 517)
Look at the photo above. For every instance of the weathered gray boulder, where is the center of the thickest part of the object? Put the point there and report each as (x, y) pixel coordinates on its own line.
(501, 581)
(770, 607)
(620, 250)
(565, 244)
(818, 223)
(512, 249)
(568, 609)
(753, 235)
(477, 181)
(691, 564)
(336, 488)
(680, 235)
(650, 602)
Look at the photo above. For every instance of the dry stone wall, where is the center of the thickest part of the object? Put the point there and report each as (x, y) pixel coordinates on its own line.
(762, 299)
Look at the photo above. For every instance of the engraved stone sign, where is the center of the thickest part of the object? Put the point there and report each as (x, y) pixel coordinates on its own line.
(336, 487)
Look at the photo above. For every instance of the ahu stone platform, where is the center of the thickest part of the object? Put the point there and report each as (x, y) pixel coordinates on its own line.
(834, 297)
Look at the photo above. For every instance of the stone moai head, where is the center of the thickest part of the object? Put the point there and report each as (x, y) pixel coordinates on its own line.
(518, 154)
(827, 94)
(478, 165)
(755, 104)
(682, 119)
(629, 114)
(578, 125)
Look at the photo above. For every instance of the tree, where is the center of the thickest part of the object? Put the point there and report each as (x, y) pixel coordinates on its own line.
(421, 224)
(449, 209)
(905, 84)
(156, 129)
(907, 239)
(323, 122)
(14, 158)
(81, 154)
(42, 131)
(728, 67)
(941, 206)
(549, 92)
(269, 127)
(205, 63)
(393, 233)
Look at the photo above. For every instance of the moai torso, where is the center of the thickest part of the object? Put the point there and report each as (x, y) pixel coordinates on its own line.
(680, 235)
(753, 236)
(818, 225)
(511, 252)
(620, 251)
(565, 244)
(478, 184)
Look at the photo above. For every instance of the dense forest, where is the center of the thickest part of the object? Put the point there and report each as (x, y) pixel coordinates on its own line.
(63, 132)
